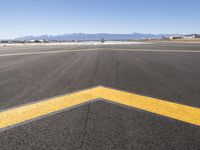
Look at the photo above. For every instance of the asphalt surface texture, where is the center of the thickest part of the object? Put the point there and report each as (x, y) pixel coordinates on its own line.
(169, 71)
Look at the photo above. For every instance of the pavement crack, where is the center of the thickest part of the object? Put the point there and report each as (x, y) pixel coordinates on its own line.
(85, 126)
(93, 79)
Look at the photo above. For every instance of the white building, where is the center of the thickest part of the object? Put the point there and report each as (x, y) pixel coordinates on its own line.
(192, 36)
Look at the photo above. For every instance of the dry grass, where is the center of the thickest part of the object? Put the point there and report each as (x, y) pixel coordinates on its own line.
(195, 40)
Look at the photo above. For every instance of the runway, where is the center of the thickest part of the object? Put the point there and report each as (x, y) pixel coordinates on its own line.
(171, 72)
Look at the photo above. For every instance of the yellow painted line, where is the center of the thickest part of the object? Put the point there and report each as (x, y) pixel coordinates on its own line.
(165, 108)
(28, 112)
(169, 109)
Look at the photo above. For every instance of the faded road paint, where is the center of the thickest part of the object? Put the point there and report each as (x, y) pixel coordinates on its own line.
(99, 49)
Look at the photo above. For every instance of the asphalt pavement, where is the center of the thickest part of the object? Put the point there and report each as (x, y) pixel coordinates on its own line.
(169, 71)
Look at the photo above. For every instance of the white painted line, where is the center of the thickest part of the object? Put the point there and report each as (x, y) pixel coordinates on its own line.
(76, 43)
(82, 50)
(46, 52)
(145, 50)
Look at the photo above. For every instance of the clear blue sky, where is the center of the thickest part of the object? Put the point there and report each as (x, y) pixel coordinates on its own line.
(36, 17)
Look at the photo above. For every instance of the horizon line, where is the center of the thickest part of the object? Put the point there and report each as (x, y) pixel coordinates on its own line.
(28, 35)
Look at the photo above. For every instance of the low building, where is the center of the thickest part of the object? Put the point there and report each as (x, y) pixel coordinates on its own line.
(192, 36)
(175, 37)
(38, 41)
(4, 41)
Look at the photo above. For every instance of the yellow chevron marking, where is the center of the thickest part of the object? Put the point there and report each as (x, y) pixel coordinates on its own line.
(165, 108)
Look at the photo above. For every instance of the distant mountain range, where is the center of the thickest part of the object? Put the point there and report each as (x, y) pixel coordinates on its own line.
(99, 36)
